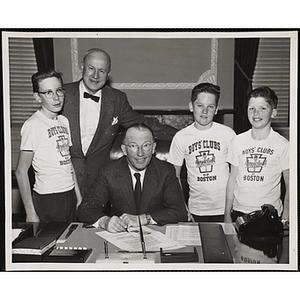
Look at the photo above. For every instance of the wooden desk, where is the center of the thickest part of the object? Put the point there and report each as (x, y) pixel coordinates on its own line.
(243, 251)
(86, 237)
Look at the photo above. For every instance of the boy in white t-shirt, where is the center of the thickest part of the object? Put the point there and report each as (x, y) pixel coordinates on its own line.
(203, 146)
(259, 158)
(45, 142)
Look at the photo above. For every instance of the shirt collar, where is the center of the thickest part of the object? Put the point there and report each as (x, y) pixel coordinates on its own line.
(132, 171)
(83, 89)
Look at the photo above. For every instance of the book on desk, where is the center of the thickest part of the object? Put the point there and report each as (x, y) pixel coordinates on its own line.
(33, 245)
(42, 247)
(32, 248)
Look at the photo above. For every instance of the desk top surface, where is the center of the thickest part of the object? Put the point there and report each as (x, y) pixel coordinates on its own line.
(243, 250)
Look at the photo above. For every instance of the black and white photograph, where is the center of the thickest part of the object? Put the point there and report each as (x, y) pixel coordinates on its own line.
(150, 150)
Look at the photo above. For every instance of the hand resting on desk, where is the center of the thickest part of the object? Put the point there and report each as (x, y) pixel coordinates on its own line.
(125, 222)
(132, 221)
(112, 224)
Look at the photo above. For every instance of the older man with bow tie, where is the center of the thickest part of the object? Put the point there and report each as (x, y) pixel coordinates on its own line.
(95, 111)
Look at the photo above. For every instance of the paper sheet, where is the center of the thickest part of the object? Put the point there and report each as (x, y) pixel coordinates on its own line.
(172, 232)
(228, 228)
(189, 235)
(130, 241)
(184, 234)
(15, 233)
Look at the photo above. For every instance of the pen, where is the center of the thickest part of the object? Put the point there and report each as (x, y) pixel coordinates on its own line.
(125, 251)
(71, 229)
(86, 225)
(106, 249)
(142, 240)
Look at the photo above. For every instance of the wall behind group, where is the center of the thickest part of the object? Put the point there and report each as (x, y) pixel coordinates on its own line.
(156, 61)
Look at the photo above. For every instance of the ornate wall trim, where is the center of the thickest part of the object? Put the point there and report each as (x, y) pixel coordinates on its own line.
(76, 70)
(211, 74)
(154, 86)
(208, 76)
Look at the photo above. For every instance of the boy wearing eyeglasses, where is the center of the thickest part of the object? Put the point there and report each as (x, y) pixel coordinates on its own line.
(45, 142)
(203, 146)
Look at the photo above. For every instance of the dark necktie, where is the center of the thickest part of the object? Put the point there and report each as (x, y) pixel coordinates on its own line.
(94, 98)
(137, 191)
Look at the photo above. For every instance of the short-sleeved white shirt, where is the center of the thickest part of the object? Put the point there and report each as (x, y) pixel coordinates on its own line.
(260, 164)
(50, 141)
(205, 153)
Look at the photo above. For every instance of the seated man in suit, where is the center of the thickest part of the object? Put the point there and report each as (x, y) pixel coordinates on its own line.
(154, 195)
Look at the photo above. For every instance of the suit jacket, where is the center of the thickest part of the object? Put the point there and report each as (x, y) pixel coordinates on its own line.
(115, 111)
(162, 196)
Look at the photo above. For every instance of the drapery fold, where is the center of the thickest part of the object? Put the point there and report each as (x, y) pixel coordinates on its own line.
(44, 53)
(246, 50)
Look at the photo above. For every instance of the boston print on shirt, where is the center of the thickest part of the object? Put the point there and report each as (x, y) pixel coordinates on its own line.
(255, 161)
(205, 159)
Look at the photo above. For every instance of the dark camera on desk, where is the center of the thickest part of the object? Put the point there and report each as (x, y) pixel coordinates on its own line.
(268, 244)
(260, 222)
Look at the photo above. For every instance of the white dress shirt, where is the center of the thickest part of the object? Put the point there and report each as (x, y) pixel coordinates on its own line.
(89, 117)
(142, 173)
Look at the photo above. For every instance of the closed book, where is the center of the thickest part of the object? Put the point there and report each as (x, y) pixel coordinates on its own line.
(214, 244)
(27, 231)
(52, 230)
(33, 245)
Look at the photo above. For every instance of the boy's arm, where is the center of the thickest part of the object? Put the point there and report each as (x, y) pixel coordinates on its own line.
(286, 204)
(77, 189)
(178, 171)
(229, 194)
(24, 162)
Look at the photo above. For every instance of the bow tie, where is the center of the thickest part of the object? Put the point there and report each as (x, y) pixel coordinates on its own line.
(94, 98)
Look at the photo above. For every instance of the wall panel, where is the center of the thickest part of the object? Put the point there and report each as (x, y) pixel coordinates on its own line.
(156, 73)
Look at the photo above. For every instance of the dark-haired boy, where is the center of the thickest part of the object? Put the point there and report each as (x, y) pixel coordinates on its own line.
(259, 158)
(203, 146)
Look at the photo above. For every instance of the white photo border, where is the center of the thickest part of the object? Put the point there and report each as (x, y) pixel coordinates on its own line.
(293, 241)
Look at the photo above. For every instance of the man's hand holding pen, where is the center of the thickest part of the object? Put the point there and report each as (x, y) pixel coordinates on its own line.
(125, 222)
(112, 224)
(132, 221)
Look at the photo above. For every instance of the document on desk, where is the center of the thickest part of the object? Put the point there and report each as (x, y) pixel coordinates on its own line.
(188, 235)
(228, 228)
(15, 233)
(130, 241)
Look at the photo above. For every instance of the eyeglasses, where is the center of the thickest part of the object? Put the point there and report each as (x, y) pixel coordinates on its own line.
(134, 147)
(50, 94)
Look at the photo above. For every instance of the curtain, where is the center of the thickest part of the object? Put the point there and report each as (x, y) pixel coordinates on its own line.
(273, 69)
(245, 60)
(44, 52)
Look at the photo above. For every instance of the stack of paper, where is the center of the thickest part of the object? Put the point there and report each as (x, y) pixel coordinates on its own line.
(187, 235)
(130, 241)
